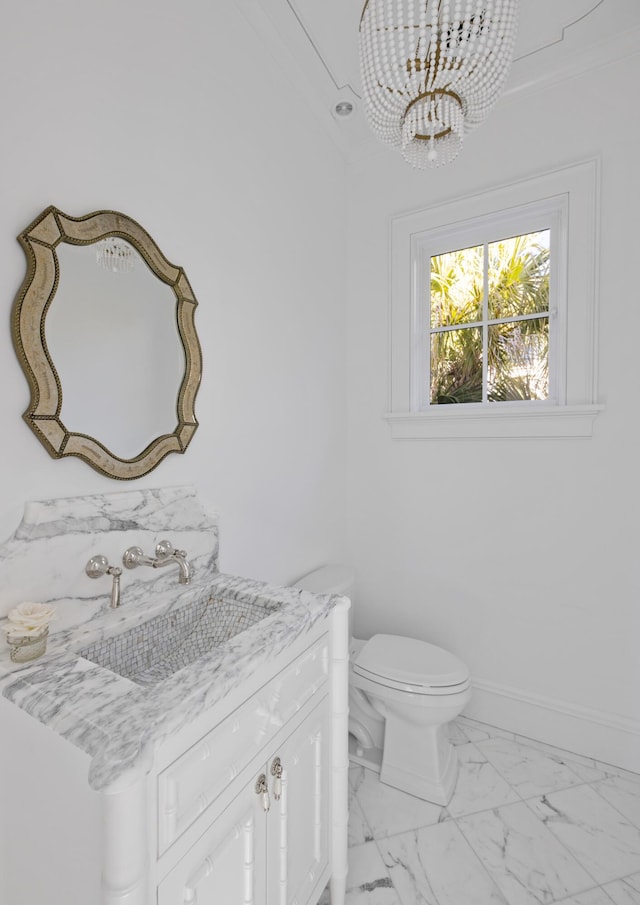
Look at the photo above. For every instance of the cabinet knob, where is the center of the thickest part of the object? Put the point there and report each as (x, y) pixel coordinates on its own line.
(276, 772)
(263, 790)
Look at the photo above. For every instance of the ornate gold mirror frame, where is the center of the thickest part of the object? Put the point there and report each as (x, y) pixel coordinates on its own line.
(40, 241)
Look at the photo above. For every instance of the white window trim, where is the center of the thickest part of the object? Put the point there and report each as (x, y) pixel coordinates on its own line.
(573, 408)
(550, 213)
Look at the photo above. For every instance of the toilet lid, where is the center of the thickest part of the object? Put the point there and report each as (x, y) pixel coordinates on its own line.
(409, 662)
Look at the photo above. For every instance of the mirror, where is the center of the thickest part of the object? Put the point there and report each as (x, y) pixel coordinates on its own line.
(125, 317)
(115, 364)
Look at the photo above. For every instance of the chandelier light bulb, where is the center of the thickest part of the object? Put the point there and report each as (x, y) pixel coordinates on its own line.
(432, 70)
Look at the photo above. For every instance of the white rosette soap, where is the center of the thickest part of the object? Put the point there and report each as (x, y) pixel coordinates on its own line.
(27, 630)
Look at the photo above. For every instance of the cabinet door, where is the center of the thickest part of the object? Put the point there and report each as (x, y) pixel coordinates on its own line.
(298, 824)
(227, 864)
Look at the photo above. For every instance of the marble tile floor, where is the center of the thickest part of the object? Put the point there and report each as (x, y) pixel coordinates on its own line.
(528, 824)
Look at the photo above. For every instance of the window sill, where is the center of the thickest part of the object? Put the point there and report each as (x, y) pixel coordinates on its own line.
(450, 423)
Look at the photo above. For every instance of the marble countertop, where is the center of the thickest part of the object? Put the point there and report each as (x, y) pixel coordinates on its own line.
(119, 723)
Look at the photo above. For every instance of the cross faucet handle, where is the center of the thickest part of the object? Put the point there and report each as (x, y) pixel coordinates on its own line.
(99, 565)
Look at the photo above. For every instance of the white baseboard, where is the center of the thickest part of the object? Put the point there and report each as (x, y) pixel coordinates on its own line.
(605, 737)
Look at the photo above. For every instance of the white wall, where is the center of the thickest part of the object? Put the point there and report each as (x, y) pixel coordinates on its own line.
(519, 556)
(176, 115)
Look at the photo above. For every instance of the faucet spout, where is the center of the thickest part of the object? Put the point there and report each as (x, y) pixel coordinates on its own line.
(165, 555)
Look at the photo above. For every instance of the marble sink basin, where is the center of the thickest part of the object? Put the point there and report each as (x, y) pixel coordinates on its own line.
(152, 651)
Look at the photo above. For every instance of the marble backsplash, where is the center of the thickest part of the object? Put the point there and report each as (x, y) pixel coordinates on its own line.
(44, 561)
(118, 720)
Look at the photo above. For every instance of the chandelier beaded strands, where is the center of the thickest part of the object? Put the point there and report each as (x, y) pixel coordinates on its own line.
(432, 70)
(115, 254)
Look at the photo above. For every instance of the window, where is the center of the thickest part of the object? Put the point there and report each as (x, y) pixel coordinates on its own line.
(487, 327)
(488, 335)
(487, 324)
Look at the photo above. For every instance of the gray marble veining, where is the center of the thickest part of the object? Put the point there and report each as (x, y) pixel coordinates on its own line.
(437, 865)
(564, 830)
(111, 718)
(594, 831)
(624, 892)
(528, 772)
(44, 560)
(523, 857)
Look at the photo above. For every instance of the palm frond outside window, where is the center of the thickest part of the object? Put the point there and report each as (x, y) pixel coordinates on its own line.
(489, 322)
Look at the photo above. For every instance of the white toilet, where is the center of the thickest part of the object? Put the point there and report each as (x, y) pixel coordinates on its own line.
(402, 695)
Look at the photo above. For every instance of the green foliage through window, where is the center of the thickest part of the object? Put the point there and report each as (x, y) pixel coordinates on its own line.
(489, 322)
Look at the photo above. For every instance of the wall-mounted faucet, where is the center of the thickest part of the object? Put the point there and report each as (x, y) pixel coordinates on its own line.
(99, 565)
(165, 555)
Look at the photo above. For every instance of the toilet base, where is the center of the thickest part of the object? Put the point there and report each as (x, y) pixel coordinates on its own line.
(439, 792)
(371, 758)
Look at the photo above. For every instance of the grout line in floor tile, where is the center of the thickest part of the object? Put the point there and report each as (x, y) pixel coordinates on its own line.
(567, 850)
(481, 860)
(566, 755)
(611, 805)
(388, 875)
(446, 815)
(564, 763)
(393, 885)
(563, 757)
(591, 889)
(493, 880)
(559, 840)
(399, 897)
(561, 788)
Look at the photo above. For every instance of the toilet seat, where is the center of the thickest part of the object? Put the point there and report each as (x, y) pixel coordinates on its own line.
(410, 665)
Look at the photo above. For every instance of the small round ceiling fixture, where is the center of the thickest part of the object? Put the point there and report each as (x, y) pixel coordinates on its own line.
(343, 109)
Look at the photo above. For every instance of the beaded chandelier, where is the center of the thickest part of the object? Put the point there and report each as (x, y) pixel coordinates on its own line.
(432, 70)
(115, 254)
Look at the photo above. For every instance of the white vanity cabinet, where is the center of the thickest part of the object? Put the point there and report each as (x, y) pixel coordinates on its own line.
(191, 824)
(270, 846)
(298, 831)
(250, 802)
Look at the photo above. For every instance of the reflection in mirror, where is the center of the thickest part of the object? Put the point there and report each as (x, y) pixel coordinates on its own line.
(110, 352)
(113, 338)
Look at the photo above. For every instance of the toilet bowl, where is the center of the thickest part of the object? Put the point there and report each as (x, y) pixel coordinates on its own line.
(403, 693)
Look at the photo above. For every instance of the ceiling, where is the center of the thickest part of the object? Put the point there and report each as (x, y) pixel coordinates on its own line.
(316, 43)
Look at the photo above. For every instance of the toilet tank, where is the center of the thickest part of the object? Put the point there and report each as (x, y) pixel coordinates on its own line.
(334, 578)
(331, 579)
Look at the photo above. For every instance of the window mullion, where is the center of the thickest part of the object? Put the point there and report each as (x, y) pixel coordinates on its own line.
(485, 319)
(518, 318)
(425, 333)
(492, 322)
(451, 327)
(420, 320)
